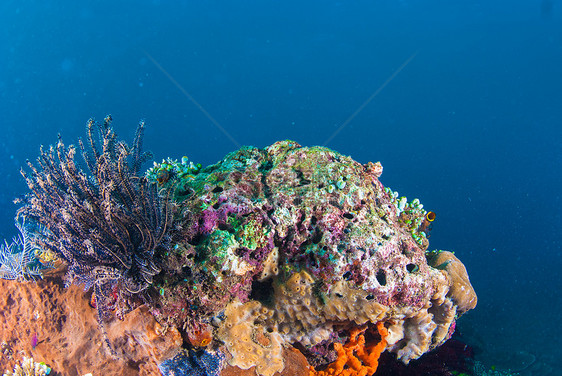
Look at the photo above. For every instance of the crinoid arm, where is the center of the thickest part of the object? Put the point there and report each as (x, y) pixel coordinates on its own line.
(106, 222)
(20, 260)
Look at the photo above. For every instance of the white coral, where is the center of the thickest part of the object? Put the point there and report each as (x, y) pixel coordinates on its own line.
(29, 367)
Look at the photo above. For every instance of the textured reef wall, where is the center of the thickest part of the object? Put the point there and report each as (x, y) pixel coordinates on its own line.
(283, 260)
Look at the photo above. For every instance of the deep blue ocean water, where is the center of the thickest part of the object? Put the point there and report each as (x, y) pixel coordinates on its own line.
(471, 125)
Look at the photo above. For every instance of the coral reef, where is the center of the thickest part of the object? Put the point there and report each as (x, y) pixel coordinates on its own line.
(246, 265)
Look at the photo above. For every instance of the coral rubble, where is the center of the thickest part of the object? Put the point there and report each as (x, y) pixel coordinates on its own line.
(242, 264)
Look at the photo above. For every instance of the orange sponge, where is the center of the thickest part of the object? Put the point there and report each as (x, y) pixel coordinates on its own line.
(360, 360)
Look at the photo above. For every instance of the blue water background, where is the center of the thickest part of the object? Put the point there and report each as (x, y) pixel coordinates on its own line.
(472, 125)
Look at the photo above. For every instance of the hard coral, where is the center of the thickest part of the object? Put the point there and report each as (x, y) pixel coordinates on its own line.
(270, 248)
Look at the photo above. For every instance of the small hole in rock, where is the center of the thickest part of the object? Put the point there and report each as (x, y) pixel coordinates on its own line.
(381, 277)
(412, 268)
(262, 291)
(316, 236)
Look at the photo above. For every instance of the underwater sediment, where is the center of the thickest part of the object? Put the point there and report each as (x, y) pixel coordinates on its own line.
(280, 260)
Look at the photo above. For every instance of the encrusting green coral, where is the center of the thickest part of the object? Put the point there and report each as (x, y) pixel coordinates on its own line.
(412, 215)
(170, 170)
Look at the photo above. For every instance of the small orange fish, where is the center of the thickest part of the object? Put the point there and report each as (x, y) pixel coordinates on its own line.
(427, 222)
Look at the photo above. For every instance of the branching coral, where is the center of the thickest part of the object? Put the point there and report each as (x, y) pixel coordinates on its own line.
(107, 224)
(355, 358)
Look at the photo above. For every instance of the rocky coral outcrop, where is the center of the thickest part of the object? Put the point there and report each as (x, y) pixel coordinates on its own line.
(276, 260)
(297, 245)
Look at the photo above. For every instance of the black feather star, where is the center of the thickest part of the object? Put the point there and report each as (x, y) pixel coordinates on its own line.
(108, 224)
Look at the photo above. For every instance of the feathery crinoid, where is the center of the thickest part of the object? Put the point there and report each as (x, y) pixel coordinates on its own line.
(18, 259)
(107, 225)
